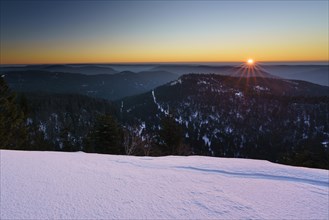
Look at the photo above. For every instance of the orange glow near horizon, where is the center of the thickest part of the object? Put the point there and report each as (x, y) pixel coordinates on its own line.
(152, 52)
(60, 58)
(156, 53)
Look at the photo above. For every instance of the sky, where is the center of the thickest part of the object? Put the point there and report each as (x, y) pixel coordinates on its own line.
(49, 31)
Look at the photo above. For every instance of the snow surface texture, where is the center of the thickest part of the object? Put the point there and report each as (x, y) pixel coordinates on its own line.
(55, 185)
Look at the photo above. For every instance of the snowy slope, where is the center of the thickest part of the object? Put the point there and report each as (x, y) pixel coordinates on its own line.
(43, 185)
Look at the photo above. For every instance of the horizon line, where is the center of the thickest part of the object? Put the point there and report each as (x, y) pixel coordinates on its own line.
(163, 62)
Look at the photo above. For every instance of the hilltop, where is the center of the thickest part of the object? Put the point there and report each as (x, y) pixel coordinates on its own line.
(57, 185)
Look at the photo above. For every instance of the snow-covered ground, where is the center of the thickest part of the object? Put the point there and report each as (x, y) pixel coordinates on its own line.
(55, 185)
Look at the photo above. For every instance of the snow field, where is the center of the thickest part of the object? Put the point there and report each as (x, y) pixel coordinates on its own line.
(57, 185)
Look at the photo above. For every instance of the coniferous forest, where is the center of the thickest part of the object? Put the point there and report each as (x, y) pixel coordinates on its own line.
(195, 115)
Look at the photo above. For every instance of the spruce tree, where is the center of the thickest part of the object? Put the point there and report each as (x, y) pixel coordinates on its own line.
(106, 137)
(171, 136)
(13, 132)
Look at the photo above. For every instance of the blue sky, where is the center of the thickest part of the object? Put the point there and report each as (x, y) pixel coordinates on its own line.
(119, 31)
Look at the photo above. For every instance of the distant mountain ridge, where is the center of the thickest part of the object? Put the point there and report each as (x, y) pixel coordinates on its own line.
(318, 74)
(105, 86)
(83, 69)
(314, 73)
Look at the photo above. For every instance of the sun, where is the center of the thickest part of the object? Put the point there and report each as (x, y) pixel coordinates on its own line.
(250, 61)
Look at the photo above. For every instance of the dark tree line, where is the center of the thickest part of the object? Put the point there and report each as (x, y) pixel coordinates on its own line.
(103, 133)
(109, 137)
(78, 123)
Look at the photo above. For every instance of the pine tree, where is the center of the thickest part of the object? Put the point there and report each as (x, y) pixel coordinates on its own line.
(106, 137)
(13, 132)
(171, 136)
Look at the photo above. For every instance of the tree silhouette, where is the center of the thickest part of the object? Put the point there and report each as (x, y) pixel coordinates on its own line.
(13, 132)
(171, 136)
(106, 137)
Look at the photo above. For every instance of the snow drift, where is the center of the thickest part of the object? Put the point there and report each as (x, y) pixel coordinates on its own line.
(55, 185)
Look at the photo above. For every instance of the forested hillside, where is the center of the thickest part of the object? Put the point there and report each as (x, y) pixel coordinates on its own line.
(281, 121)
(205, 114)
